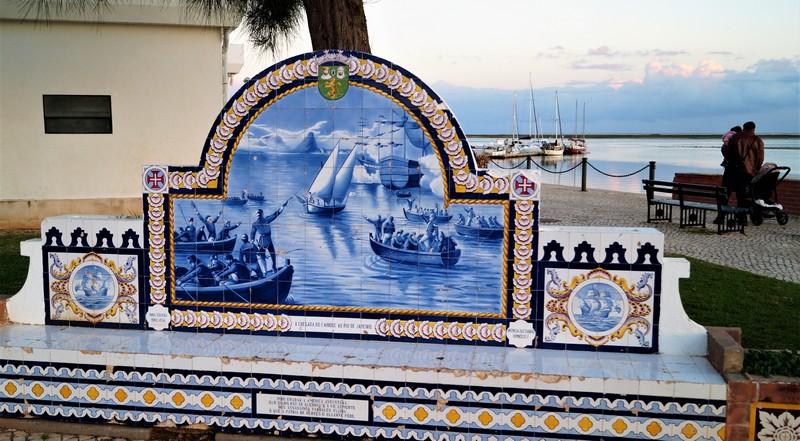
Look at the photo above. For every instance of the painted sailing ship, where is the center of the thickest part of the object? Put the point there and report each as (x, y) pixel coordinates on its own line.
(368, 162)
(398, 171)
(330, 188)
(596, 305)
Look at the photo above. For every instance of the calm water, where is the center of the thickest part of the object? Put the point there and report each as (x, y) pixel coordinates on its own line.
(331, 254)
(622, 156)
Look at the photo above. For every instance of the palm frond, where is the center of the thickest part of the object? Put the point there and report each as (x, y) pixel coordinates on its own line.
(272, 22)
(213, 10)
(48, 10)
(269, 23)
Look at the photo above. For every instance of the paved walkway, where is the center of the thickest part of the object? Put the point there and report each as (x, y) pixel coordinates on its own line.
(769, 249)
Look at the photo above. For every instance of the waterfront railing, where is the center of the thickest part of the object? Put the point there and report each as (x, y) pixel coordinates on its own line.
(584, 165)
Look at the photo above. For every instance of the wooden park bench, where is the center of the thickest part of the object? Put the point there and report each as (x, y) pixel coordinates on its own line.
(693, 201)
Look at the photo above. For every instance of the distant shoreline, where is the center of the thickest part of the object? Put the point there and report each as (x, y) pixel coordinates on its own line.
(651, 135)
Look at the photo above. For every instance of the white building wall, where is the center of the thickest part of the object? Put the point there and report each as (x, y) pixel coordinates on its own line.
(165, 84)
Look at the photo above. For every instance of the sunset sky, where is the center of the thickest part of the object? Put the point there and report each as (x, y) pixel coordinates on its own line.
(639, 66)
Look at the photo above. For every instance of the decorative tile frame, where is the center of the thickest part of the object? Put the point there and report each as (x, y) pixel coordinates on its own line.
(463, 184)
(274, 399)
(94, 271)
(599, 288)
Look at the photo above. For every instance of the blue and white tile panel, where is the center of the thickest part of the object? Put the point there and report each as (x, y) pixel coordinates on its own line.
(599, 287)
(375, 389)
(347, 406)
(92, 270)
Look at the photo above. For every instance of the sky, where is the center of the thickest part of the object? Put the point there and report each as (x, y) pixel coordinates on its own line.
(636, 66)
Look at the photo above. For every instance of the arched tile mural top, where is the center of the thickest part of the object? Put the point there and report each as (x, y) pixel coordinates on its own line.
(323, 205)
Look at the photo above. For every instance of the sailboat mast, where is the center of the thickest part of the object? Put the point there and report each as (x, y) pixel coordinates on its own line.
(576, 117)
(530, 110)
(535, 117)
(584, 121)
(560, 134)
(514, 130)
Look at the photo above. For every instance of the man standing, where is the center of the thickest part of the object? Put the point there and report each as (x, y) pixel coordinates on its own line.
(388, 227)
(264, 242)
(248, 253)
(211, 224)
(745, 154)
(190, 231)
(378, 223)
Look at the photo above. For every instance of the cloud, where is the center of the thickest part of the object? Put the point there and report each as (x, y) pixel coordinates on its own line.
(705, 69)
(668, 98)
(603, 51)
(659, 53)
(551, 53)
(655, 70)
(613, 67)
(709, 69)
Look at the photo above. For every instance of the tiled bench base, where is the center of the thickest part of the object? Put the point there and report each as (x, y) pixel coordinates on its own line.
(263, 384)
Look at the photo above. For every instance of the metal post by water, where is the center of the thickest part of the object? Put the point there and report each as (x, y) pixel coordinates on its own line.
(583, 173)
(652, 170)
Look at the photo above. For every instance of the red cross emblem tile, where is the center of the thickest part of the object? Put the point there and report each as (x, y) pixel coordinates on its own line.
(154, 180)
(525, 186)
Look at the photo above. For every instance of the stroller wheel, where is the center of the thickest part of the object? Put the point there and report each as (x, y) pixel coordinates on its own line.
(782, 218)
(757, 217)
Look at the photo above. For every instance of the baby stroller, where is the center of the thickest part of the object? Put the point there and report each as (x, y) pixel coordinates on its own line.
(764, 192)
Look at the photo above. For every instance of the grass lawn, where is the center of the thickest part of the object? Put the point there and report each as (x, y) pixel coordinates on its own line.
(13, 266)
(765, 309)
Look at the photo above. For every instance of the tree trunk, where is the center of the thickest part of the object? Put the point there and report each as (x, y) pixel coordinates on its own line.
(337, 24)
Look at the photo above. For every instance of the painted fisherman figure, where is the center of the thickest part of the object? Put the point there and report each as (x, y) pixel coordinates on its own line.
(198, 275)
(209, 222)
(264, 243)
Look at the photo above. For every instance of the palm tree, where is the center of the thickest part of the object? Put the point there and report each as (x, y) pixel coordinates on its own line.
(333, 24)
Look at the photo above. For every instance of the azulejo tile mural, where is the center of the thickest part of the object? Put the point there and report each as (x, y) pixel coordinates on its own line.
(93, 274)
(337, 194)
(292, 279)
(457, 393)
(597, 307)
(324, 203)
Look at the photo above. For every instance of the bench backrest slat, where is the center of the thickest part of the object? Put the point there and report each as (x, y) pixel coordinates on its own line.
(685, 191)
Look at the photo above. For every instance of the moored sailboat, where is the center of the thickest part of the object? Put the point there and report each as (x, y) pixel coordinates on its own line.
(555, 148)
(577, 146)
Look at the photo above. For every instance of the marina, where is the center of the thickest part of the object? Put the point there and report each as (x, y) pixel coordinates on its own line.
(623, 155)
